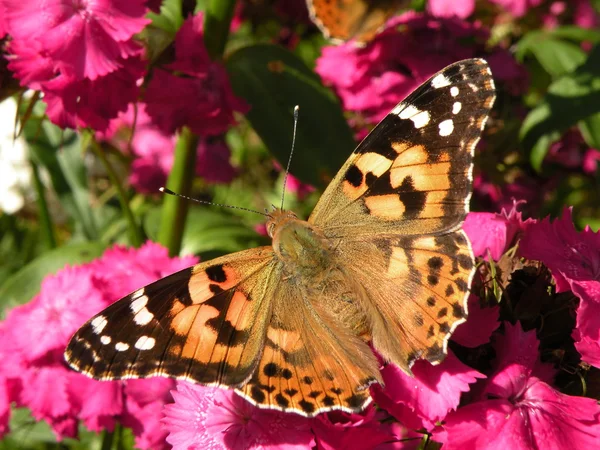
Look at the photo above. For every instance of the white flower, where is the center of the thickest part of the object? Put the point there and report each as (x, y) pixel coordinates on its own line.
(15, 171)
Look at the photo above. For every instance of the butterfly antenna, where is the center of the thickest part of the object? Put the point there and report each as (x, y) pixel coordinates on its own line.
(287, 169)
(203, 202)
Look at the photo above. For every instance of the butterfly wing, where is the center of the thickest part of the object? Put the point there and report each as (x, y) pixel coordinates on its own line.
(311, 362)
(205, 324)
(342, 20)
(235, 321)
(401, 199)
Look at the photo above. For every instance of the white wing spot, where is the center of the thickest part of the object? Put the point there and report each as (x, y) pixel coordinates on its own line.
(419, 118)
(399, 107)
(143, 317)
(454, 91)
(139, 303)
(121, 346)
(456, 107)
(105, 340)
(440, 81)
(145, 343)
(98, 324)
(446, 127)
(138, 293)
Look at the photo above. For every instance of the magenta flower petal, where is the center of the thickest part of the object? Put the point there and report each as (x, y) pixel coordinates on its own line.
(587, 331)
(50, 319)
(517, 8)
(480, 325)
(451, 8)
(519, 410)
(572, 256)
(204, 417)
(85, 39)
(45, 392)
(193, 91)
(212, 162)
(434, 390)
(87, 103)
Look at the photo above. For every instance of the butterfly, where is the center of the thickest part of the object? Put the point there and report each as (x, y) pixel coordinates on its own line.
(341, 20)
(382, 261)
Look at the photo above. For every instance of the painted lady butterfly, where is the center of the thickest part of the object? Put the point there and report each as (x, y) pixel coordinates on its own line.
(381, 260)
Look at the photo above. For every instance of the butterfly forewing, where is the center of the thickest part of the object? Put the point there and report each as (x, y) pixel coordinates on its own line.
(401, 199)
(205, 324)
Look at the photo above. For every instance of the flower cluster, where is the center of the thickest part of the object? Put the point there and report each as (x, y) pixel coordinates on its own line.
(519, 373)
(33, 338)
(85, 58)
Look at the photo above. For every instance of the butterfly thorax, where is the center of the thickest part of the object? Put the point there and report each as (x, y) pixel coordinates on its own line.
(300, 246)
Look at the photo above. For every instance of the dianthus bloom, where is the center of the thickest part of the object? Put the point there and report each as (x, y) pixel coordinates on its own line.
(518, 409)
(152, 151)
(34, 336)
(80, 54)
(574, 259)
(192, 91)
(373, 79)
(493, 233)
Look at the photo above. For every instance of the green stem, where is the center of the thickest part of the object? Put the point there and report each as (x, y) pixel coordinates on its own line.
(217, 21)
(135, 234)
(46, 224)
(180, 179)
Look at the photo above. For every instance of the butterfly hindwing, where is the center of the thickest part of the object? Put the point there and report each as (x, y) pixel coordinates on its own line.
(311, 362)
(204, 324)
(401, 199)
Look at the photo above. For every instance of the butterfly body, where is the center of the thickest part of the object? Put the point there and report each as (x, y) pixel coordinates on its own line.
(381, 261)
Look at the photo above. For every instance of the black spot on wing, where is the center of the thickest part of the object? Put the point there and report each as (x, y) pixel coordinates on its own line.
(216, 274)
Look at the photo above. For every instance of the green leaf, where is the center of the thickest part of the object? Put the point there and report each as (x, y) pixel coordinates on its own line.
(25, 284)
(170, 18)
(209, 231)
(571, 99)
(590, 130)
(273, 81)
(60, 152)
(558, 57)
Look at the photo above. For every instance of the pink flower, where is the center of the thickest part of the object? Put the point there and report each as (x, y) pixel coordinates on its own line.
(4, 407)
(204, 417)
(572, 256)
(517, 8)
(122, 270)
(478, 329)
(33, 373)
(367, 430)
(88, 103)
(84, 39)
(145, 402)
(212, 161)
(587, 331)
(193, 91)
(153, 151)
(572, 152)
(451, 8)
(590, 161)
(46, 323)
(371, 80)
(493, 233)
(518, 410)
(430, 395)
